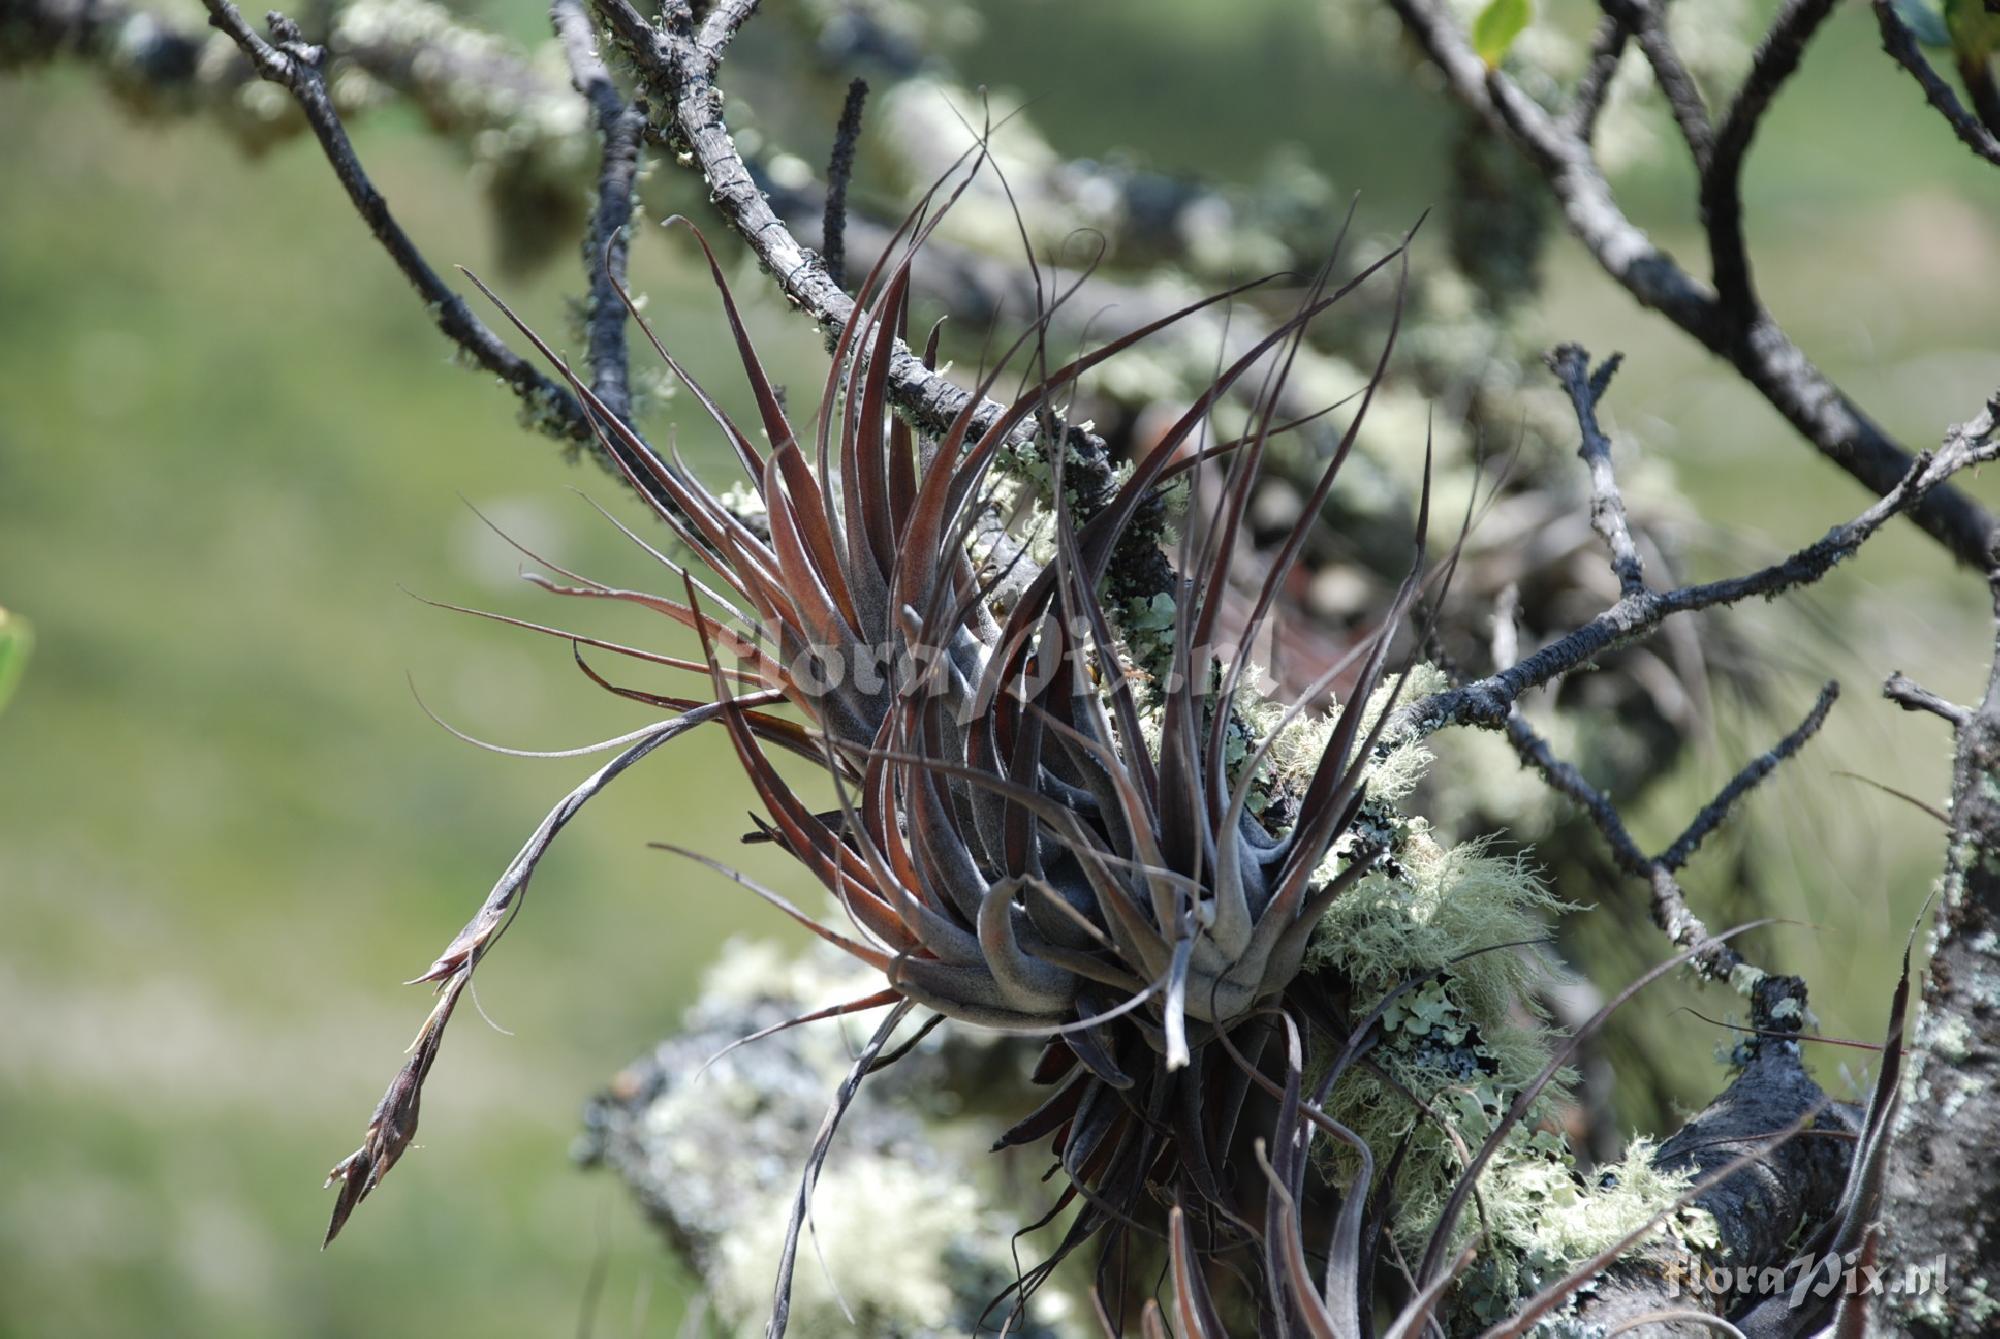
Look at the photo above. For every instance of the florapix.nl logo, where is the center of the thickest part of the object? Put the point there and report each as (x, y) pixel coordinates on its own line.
(1807, 1277)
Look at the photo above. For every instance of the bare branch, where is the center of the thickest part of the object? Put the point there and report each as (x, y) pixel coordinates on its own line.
(1607, 49)
(1646, 23)
(1750, 341)
(1913, 696)
(839, 170)
(1487, 702)
(1565, 779)
(608, 242)
(1669, 907)
(1902, 46)
(1571, 364)
(1639, 611)
(295, 65)
(725, 17)
(1777, 59)
(1717, 809)
(679, 68)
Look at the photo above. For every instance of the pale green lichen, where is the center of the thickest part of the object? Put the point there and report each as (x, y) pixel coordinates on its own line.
(540, 410)
(876, 1235)
(1981, 1307)
(1464, 1042)
(1557, 1222)
(1743, 978)
(905, 1241)
(1457, 1042)
(1951, 1038)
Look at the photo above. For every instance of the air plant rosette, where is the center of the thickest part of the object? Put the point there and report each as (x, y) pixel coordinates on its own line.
(1057, 820)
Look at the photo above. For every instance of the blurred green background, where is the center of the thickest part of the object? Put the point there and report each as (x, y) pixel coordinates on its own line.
(228, 435)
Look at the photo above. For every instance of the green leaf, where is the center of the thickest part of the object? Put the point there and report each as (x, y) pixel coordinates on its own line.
(1496, 28)
(15, 641)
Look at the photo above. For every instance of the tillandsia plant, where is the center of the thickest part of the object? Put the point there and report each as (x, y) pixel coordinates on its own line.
(1045, 825)
(1061, 809)
(1034, 833)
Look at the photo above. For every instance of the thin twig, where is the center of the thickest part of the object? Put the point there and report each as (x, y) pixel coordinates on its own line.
(1565, 779)
(1645, 21)
(1607, 49)
(1913, 696)
(1638, 609)
(1487, 702)
(839, 171)
(1752, 343)
(1669, 906)
(725, 17)
(1717, 809)
(1571, 364)
(608, 242)
(679, 68)
(296, 65)
(1898, 41)
(1777, 59)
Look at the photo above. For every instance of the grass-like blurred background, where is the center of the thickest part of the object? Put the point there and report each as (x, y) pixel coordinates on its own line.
(227, 436)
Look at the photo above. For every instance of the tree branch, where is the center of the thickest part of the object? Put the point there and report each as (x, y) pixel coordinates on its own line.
(839, 171)
(1753, 344)
(1487, 702)
(1777, 59)
(1942, 1192)
(679, 67)
(1716, 810)
(1607, 507)
(1644, 20)
(1913, 696)
(1902, 46)
(1607, 49)
(295, 65)
(1788, 1189)
(608, 242)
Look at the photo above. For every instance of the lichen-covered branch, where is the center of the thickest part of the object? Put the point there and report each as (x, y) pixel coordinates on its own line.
(1607, 506)
(1791, 1186)
(607, 243)
(1943, 1192)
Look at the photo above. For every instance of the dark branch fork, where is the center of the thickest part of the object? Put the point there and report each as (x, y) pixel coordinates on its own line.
(1670, 911)
(1638, 612)
(1729, 320)
(1607, 507)
(1901, 45)
(1660, 872)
